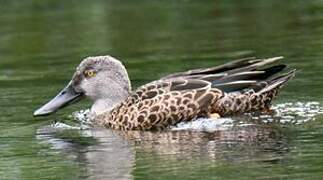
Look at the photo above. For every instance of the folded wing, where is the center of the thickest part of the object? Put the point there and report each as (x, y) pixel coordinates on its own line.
(240, 86)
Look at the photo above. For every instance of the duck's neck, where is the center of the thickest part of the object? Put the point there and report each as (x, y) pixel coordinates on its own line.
(101, 106)
(113, 89)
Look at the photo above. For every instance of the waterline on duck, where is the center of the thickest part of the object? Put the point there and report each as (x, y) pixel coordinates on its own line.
(284, 113)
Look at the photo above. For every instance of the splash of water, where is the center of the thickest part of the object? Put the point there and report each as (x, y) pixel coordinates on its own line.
(295, 113)
(83, 117)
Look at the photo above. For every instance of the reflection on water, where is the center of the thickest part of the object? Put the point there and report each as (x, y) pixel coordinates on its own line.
(111, 154)
(105, 154)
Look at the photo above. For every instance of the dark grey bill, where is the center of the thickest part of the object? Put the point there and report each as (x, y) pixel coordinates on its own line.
(67, 96)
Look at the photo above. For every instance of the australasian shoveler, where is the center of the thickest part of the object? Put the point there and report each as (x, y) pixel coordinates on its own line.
(238, 87)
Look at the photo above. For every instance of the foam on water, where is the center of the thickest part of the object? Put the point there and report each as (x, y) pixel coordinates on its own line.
(285, 113)
(205, 124)
(82, 116)
(295, 113)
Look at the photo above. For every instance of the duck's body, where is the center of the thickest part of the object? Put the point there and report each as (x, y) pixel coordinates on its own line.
(230, 89)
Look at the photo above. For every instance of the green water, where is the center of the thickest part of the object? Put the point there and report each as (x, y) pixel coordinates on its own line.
(41, 42)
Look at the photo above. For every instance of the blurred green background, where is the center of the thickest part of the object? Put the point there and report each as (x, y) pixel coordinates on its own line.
(41, 43)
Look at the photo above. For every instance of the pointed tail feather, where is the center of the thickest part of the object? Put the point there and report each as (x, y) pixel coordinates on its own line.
(256, 65)
(257, 75)
(234, 67)
(278, 82)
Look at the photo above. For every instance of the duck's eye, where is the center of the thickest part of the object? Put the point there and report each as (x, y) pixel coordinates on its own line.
(89, 73)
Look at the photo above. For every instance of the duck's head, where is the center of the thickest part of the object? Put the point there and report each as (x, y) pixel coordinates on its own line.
(102, 78)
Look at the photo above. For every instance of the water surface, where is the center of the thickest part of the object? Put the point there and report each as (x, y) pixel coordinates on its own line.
(41, 42)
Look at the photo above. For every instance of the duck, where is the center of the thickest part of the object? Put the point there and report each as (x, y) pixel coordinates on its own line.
(241, 86)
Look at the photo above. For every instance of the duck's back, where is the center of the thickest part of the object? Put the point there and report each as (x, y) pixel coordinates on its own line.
(234, 88)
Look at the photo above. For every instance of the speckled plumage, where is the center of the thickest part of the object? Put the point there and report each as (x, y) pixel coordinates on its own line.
(157, 106)
(188, 95)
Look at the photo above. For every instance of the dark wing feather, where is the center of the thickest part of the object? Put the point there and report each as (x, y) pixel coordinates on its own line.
(255, 66)
(250, 75)
(189, 84)
(234, 76)
(235, 85)
(155, 88)
(246, 64)
(217, 69)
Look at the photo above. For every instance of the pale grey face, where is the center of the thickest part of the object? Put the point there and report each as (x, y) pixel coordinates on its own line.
(92, 76)
(101, 77)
